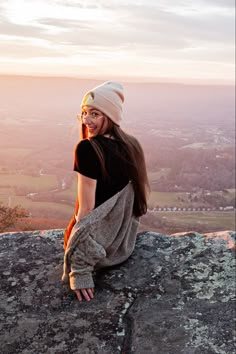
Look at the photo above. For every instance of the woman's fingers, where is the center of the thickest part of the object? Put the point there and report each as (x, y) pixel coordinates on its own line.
(78, 294)
(90, 292)
(87, 294)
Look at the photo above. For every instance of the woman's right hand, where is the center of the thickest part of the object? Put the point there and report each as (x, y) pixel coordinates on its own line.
(88, 294)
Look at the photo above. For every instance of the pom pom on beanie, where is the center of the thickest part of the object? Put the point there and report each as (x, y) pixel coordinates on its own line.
(107, 98)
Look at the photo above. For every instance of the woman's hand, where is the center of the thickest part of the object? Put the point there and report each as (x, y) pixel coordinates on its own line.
(88, 294)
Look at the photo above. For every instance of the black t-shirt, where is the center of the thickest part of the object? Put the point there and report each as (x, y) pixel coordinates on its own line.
(87, 163)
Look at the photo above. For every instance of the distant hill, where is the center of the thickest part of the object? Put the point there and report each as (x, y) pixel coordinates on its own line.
(179, 103)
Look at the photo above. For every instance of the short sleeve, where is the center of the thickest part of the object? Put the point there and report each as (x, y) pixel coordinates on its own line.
(86, 160)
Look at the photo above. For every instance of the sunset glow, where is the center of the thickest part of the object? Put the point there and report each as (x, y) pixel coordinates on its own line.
(146, 40)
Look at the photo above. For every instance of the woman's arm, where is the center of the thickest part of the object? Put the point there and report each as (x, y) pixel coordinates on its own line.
(86, 200)
(86, 195)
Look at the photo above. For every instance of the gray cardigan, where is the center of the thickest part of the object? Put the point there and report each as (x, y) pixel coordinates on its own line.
(104, 237)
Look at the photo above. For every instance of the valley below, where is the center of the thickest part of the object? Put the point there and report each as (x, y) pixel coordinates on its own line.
(190, 156)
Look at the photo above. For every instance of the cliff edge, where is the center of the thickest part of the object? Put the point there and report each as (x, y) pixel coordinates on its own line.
(174, 295)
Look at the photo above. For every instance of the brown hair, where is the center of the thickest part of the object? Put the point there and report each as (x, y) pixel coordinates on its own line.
(134, 158)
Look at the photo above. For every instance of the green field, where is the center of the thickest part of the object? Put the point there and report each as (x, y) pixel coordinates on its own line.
(33, 184)
(226, 220)
(163, 199)
(176, 221)
(36, 207)
(172, 222)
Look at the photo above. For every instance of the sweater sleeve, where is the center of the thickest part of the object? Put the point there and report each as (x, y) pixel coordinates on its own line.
(83, 260)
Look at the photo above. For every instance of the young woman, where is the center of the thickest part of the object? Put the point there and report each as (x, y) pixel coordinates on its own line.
(112, 190)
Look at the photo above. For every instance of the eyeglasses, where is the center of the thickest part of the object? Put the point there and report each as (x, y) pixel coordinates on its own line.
(94, 116)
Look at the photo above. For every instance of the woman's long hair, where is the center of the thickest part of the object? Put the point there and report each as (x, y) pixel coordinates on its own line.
(134, 158)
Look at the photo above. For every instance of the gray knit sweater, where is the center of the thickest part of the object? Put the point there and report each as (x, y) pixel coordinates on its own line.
(104, 237)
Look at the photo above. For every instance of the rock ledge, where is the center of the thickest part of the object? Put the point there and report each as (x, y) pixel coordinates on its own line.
(173, 296)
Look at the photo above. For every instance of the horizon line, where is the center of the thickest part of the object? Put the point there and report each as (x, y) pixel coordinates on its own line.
(129, 80)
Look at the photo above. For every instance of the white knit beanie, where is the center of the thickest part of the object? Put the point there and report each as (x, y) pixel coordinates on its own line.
(107, 98)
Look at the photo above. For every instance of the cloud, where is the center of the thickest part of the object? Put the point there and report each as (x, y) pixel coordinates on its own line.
(230, 4)
(134, 25)
(150, 3)
(21, 31)
(167, 22)
(26, 49)
(142, 30)
(159, 25)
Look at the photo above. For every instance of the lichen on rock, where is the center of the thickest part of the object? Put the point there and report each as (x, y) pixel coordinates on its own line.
(173, 295)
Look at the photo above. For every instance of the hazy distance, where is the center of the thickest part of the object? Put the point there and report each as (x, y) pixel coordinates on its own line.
(187, 133)
(59, 99)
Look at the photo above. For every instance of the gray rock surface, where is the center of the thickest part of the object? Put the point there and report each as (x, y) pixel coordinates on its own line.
(173, 296)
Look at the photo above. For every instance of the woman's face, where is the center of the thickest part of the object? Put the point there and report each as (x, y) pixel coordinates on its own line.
(94, 120)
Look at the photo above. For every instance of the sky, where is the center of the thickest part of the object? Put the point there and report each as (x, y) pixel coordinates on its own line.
(138, 40)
